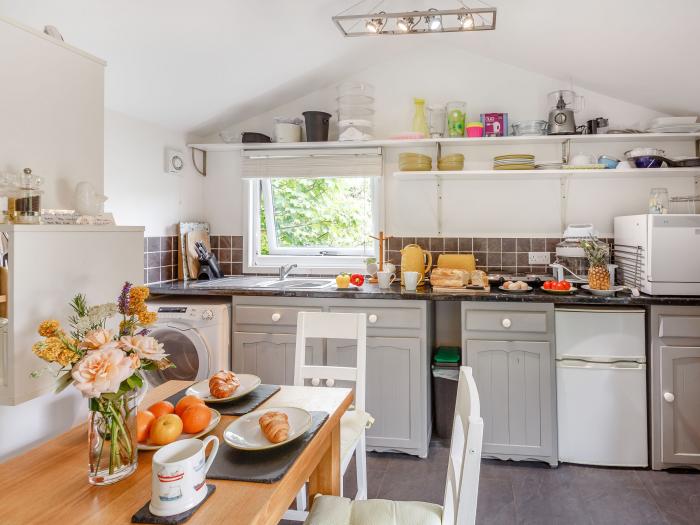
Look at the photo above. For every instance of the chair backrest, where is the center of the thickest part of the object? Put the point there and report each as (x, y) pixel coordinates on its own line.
(462, 487)
(330, 325)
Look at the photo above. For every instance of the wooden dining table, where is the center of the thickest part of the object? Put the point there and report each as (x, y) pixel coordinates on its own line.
(49, 484)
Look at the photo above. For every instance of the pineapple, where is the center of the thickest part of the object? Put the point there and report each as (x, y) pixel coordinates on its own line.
(597, 255)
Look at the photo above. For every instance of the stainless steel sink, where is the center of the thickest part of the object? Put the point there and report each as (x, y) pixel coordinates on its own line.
(297, 283)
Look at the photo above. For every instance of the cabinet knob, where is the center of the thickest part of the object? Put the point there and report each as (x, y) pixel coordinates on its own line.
(506, 323)
(330, 382)
(669, 397)
(276, 317)
(372, 318)
(315, 381)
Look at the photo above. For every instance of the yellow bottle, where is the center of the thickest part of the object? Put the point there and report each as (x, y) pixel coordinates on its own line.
(420, 123)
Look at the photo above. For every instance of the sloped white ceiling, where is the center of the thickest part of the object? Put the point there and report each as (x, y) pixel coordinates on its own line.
(199, 65)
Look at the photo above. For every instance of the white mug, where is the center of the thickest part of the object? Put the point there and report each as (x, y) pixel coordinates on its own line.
(179, 475)
(385, 279)
(389, 267)
(410, 281)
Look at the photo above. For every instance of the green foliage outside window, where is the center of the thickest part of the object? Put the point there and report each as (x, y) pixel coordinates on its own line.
(322, 212)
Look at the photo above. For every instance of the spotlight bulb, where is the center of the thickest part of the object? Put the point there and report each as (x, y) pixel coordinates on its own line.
(466, 21)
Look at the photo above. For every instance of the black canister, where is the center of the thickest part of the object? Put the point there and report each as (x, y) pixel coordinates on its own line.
(316, 125)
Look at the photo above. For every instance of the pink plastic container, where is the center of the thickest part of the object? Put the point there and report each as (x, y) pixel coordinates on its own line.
(475, 129)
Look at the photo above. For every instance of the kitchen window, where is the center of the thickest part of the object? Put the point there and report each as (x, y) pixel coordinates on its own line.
(315, 212)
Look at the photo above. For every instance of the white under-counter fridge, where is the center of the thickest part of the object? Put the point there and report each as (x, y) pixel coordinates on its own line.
(601, 386)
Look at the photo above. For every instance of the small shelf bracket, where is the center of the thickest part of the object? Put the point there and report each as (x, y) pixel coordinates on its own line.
(203, 171)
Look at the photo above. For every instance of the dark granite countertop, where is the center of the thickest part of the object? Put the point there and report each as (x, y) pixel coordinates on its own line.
(372, 291)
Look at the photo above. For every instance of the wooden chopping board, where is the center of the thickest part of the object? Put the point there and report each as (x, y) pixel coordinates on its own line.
(463, 291)
(191, 252)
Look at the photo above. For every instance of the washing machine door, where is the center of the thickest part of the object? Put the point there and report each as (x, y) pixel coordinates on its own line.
(186, 349)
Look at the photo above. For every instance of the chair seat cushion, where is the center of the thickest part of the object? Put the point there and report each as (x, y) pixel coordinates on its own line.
(331, 510)
(351, 425)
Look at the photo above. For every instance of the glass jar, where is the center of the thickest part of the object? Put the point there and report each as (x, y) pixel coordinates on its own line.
(27, 204)
(658, 201)
(456, 117)
(436, 116)
(112, 446)
(420, 124)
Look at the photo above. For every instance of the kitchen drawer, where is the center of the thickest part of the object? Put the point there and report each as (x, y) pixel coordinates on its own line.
(679, 326)
(407, 318)
(269, 315)
(505, 321)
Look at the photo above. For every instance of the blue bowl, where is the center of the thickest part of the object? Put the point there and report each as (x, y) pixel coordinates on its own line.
(647, 161)
(609, 162)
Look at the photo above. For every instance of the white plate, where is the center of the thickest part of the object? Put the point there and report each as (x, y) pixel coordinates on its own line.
(215, 418)
(603, 293)
(678, 128)
(249, 382)
(245, 432)
(528, 289)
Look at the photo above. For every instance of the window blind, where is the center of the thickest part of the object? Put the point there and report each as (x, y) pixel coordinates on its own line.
(312, 163)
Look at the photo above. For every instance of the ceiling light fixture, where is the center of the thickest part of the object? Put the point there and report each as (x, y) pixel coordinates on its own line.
(426, 21)
(466, 20)
(434, 21)
(375, 25)
(405, 24)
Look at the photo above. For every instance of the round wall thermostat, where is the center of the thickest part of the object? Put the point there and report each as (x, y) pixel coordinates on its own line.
(174, 162)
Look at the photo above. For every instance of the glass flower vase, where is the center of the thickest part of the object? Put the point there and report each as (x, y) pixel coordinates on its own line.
(112, 437)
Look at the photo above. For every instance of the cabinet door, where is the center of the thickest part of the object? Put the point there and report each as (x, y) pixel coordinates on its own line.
(514, 379)
(680, 404)
(392, 390)
(270, 356)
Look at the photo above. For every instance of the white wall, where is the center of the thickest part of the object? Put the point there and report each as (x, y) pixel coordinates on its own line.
(139, 190)
(51, 107)
(477, 208)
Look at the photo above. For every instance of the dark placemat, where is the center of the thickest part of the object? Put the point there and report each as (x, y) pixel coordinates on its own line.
(240, 406)
(143, 515)
(263, 466)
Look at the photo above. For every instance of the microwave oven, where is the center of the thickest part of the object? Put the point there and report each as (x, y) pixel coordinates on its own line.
(659, 254)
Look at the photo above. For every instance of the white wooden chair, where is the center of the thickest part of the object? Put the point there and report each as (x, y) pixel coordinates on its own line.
(328, 325)
(461, 489)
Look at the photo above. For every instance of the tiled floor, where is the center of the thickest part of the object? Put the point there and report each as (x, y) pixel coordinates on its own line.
(534, 494)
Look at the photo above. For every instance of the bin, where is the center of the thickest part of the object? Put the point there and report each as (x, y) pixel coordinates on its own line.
(445, 379)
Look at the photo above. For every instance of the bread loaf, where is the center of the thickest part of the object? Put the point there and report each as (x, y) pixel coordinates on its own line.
(449, 278)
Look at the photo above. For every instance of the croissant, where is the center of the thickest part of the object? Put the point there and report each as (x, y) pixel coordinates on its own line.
(275, 426)
(223, 384)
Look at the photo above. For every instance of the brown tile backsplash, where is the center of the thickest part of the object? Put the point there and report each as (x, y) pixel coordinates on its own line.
(161, 253)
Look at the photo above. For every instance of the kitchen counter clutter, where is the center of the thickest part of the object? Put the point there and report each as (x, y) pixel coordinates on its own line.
(247, 286)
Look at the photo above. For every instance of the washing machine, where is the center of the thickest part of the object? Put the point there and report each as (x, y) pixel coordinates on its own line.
(196, 335)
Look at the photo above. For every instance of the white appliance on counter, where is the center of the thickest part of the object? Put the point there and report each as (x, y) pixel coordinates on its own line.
(659, 254)
(196, 335)
(601, 386)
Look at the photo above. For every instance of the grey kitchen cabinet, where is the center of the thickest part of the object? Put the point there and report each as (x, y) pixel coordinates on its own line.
(399, 340)
(675, 386)
(392, 399)
(270, 356)
(510, 348)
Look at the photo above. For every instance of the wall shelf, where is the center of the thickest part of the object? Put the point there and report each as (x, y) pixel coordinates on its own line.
(458, 142)
(417, 176)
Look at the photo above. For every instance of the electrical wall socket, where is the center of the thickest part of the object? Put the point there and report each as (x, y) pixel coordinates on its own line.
(538, 257)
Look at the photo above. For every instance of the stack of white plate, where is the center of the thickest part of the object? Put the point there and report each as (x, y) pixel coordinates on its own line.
(674, 125)
(554, 165)
(515, 161)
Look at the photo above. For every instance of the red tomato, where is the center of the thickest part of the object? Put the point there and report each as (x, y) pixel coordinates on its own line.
(547, 285)
(561, 286)
(357, 279)
(567, 285)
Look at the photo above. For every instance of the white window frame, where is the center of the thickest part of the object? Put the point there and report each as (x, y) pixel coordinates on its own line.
(310, 260)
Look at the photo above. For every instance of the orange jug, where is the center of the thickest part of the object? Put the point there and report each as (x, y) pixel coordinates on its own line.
(415, 259)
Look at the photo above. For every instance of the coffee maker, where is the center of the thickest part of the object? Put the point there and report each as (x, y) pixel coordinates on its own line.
(564, 104)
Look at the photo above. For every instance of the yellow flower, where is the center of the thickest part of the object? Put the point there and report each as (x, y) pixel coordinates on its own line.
(138, 294)
(48, 328)
(146, 318)
(53, 350)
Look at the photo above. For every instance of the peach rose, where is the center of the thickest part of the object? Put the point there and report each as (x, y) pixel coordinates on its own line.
(95, 339)
(102, 371)
(146, 347)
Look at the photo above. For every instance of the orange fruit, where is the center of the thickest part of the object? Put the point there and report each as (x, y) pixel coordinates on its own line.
(187, 402)
(166, 429)
(144, 420)
(196, 418)
(161, 408)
